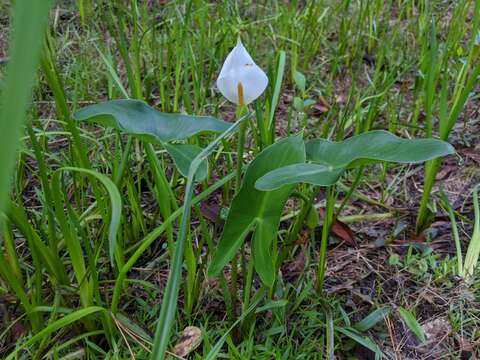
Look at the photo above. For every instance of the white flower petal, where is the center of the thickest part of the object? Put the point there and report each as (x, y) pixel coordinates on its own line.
(228, 86)
(239, 67)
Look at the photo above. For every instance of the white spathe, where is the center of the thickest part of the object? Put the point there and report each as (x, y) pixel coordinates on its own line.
(239, 67)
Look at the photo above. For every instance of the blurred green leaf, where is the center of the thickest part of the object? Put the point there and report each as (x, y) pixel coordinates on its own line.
(394, 259)
(362, 340)
(259, 211)
(298, 103)
(372, 319)
(412, 323)
(29, 22)
(309, 102)
(300, 80)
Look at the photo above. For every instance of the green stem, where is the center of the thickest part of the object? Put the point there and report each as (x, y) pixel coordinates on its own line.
(123, 162)
(352, 188)
(42, 170)
(241, 111)
(327, 223)
(297, 226)
(233, 283)
(424, 214)
(247, 289)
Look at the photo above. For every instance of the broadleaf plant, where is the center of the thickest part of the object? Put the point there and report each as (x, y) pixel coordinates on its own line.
(136, 118)
(271, 177)
(328, 160)
(254, 210)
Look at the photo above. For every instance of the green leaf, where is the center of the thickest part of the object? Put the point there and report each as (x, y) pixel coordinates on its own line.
(314, 174)
(328, 160)
(253, 209)
(56, 325)
(300, 80)
(298, 103)
(313, 219)
(116, 205)
(473, 251)
(362, 340)
(136, 118)
(29, 22)
(273, 304)
(412, 324)
(375, 146)
(277, 88)
(372, 319)
(170, 296)
(183, 155)
(132, 326)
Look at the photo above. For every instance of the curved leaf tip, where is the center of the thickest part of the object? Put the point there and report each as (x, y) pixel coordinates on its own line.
(375, 146)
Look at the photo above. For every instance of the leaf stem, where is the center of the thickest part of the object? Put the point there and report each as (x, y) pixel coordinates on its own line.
(327, 223)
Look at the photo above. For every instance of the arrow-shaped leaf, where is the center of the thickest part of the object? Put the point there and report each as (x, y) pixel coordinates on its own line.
(134, 117)
(259, 211)
(375, 146)
(329, 159)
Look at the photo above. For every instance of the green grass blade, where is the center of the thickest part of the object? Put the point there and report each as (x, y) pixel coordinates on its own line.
(456, 237)
(116, 202)
(29, 22)
(412, 324)
(473, 251)
(170, 298)
(276, 93)
(67, 320)
(362, 340)
(372, 319)
(213, 353)
(113, 74)
(153, 235)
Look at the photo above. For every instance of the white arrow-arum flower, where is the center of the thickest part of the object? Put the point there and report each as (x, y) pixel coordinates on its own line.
(241, 81)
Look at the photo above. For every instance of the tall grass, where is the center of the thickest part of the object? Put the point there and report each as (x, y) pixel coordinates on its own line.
(95, 218)
(28, 26)
(451, 102)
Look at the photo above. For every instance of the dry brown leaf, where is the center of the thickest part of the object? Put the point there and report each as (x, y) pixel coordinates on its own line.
(189, 341)
(341, 230)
